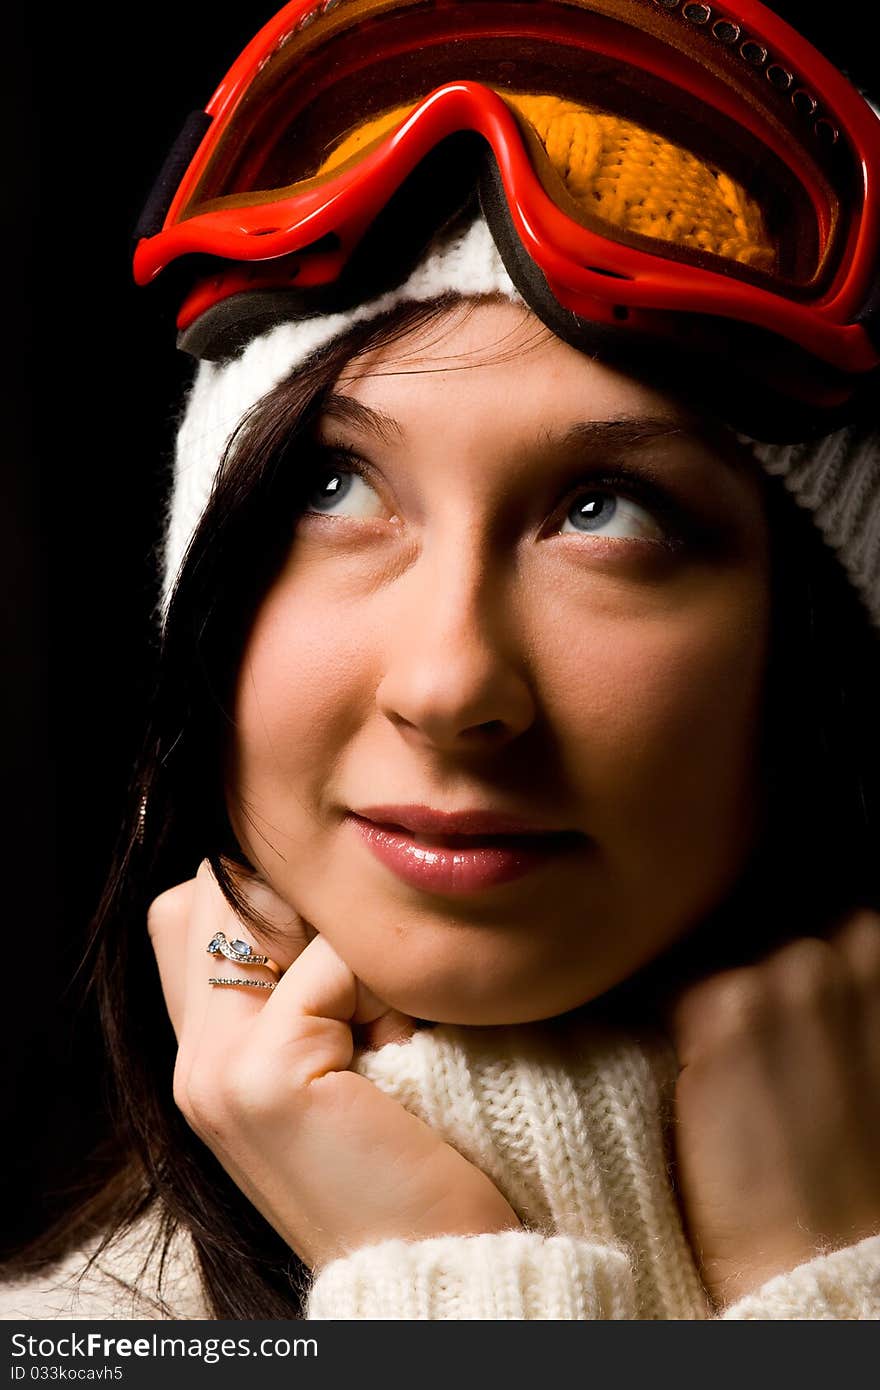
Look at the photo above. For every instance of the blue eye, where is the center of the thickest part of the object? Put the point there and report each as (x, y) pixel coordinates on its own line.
(605, 512)
(342, 489)
(343, 492)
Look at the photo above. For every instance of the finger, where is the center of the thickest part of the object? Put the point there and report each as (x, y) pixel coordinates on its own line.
(181, 922)
(167, 925)
(308, 1019)
(859, 941)
(215, 1009)
(376, 1021)
(858, 937)
(688, 1013)
(392, 1027)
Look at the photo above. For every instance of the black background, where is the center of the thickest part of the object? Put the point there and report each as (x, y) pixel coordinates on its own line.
(95, 97)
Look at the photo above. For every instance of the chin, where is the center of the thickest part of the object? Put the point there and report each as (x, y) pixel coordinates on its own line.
(494, 1016)
(519, 1002)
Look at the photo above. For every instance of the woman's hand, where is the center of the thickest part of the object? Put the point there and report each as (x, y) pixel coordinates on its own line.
(330, 1161)
(777, 1133)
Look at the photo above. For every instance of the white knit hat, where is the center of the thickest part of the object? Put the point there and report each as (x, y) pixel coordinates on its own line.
(836, 478)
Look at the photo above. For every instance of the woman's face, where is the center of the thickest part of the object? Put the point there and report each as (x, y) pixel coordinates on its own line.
(527, 587)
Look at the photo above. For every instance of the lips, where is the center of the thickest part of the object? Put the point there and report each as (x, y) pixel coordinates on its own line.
(461, 851)
(425, 821)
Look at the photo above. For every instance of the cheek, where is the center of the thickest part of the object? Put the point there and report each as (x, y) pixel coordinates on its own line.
(304, 678)
(663, 713)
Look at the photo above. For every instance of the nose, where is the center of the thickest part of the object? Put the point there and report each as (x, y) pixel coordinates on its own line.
(455, 678)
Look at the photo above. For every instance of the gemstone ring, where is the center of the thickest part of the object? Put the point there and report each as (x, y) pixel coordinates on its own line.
(241, 952)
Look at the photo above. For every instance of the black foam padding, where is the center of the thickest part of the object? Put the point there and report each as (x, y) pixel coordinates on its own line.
(176, 164)
(224, 330)
(716, 381)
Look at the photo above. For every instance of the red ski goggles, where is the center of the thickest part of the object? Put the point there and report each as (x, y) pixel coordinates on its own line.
(651, 170)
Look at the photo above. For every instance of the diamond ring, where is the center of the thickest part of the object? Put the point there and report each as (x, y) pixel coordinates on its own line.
(241, 952)
(243, 983)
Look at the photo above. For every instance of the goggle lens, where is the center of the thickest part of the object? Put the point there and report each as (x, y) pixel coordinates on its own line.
(671, 171)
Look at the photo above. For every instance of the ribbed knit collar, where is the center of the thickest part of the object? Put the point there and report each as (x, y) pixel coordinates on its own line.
(571, 1120)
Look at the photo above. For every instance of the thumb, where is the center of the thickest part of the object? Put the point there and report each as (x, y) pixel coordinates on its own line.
(392, 1027)
(369, 1008)
(378, 1022)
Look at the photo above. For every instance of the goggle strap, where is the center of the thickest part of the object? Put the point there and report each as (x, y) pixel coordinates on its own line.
(178, 160)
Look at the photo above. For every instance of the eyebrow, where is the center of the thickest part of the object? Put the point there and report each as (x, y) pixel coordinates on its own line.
(629, 432)
(348, 411)
(640, 431)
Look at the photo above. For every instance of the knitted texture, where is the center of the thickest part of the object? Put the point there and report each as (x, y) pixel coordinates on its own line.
(837, 479)
(512, 1276)
(568, 1122)
(572, 1121)
(842, 1284)
(628, 176)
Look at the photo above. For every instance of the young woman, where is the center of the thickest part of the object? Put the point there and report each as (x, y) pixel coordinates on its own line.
(505, 836)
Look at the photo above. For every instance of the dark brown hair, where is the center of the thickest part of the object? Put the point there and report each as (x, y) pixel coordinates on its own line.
(816, 860)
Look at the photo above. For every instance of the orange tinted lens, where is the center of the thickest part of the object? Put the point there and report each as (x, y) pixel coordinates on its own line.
(624, 175)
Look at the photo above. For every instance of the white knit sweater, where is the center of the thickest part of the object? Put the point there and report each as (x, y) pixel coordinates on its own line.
(571, 1120)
